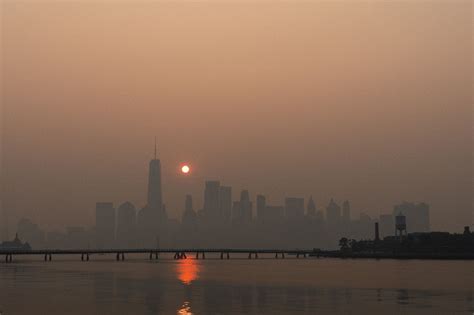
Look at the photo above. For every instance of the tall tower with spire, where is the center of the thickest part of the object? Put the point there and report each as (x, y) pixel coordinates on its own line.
(155, 201)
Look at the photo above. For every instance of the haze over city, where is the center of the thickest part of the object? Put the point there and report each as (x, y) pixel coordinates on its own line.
(329, 99)
(236, 157)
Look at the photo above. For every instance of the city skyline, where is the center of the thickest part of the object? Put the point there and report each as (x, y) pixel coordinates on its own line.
(242, 221)
(333, 100)
(236, 157)
(156, 203)
(194, 182)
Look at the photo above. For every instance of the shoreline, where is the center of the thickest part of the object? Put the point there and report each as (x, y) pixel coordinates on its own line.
(404, 256)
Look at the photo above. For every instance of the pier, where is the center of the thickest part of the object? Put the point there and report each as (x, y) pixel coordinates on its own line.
(153, 254)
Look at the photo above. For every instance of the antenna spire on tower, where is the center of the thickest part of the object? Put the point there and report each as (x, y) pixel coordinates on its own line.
(155, 147)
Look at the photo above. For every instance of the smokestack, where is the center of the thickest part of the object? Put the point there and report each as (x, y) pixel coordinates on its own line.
(377, 238)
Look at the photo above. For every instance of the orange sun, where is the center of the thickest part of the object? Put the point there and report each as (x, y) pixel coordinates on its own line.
(185, 169)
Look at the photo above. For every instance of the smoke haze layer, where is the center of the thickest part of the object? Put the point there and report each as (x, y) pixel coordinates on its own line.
(366, 101)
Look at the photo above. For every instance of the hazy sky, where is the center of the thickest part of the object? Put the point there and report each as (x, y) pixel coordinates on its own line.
(367, 101)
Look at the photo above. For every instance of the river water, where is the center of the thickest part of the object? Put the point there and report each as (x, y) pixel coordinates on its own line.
(236, 286)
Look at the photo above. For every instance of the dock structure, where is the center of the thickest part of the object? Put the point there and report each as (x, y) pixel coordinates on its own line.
(153, 253)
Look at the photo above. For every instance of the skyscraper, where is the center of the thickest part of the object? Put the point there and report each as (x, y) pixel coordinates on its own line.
(346, 218)
(188, 234)
(225, 202)
(273, 214)
(155, 201)
(152, 219)
(188, 203)
(319, 216)
(236, 212)
(105, 224)
(261, 204)
(311, 208)
(126, 225)
(346, 211)
(242, 209)
(333, 214)
(211, 200)
(246, 207)
(189, 218)
(294, 207)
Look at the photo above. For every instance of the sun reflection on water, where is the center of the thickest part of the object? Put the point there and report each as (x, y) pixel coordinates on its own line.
(185, 309)
(187, 270)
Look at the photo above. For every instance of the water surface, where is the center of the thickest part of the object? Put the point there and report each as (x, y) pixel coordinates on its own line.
(213, 286)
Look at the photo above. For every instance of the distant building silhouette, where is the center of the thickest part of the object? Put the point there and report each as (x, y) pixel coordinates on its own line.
(421, 244)
(387, 223)
(294, 207)
(245, 207)
(16, 244)
(57, 239)
(289, 226)
(152, 219)
(188, 204)
(189, 224)
(400, 226)
(76, 237)
(467, 230)
(346, 225)
(311, 208)
(155, 199)
(346, 211)
(31, 233)
(319, 216)
(211, 201)
(189, 219)
(273, 214)
(105, 224)
(236, 212)
(242, 210)
(225, 203)
(364, 227)
(261, 205)
(334, 227)
(377, 234)
(126, 225)
(417, 215)
(333, 214)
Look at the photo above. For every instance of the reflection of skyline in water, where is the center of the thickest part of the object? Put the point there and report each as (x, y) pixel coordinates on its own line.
(192, 287)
